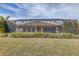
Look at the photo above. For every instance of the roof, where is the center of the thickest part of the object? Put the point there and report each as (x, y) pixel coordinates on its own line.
(39, 23)
(43, 19)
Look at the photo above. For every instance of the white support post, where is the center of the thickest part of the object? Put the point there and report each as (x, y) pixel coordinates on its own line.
(57, 30)
(35, 29)
(41, 29)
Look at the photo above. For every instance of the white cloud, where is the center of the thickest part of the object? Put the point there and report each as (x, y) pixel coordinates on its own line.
(44, 10)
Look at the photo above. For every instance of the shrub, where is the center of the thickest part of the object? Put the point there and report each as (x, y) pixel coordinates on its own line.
(39, 35)
(28, 35)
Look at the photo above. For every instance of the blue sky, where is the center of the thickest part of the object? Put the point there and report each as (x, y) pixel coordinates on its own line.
(40, 10)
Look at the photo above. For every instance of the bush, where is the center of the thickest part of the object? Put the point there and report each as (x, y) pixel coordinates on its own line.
(39, 35)
(28, 35)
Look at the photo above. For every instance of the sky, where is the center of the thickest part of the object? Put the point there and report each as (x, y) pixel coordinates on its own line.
(40, 10)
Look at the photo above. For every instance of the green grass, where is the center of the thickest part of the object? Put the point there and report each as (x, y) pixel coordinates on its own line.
(40, 35)
(38, 47)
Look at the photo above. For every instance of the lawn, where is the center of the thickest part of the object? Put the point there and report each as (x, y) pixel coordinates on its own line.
(38, 47)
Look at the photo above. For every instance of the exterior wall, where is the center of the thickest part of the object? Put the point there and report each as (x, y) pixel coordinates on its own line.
(38, 29)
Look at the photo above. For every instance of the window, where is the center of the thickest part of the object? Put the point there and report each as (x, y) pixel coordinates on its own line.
(29, 29)
(24, 29)
(53, 29)
(46, 29)
(33, 29)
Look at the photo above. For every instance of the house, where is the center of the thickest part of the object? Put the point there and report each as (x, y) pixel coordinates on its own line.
(41, 25)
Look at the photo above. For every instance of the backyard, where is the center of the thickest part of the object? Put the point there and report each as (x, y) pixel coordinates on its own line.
(38, 47)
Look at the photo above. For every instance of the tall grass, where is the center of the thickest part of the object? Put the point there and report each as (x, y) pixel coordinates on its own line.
(29, 35)
(40, 35)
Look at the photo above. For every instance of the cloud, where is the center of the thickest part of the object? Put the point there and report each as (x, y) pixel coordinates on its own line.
(45, 10)
(51, 10)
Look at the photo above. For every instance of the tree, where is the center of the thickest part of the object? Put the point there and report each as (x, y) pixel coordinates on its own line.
(70, 26)
(78, 28)
(2, 24)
